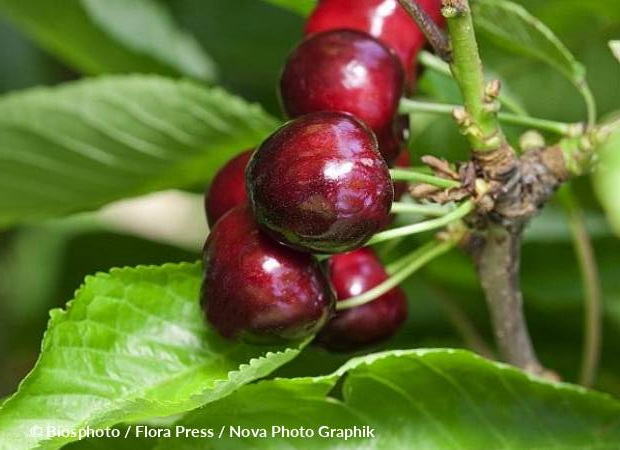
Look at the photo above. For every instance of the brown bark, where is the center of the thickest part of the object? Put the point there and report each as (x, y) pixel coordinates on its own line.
(518, 189)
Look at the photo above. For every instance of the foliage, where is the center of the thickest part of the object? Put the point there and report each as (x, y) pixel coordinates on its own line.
(115, 137)
(132, 345)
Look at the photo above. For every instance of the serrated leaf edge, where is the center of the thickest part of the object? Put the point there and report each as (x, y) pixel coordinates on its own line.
(58, 314)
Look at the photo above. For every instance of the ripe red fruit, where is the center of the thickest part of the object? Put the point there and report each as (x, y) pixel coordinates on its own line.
(392, 140)
(257, 289)
(320, 184)
(353, 274)
(384, 19)
(227, 189)
(345, 71)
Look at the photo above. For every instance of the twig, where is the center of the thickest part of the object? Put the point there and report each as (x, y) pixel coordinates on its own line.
(431, 30)
(498, 267)
(479, 119)
(496, 249)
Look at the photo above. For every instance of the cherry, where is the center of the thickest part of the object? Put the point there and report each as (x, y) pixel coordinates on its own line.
(392, 140)
(227, 189)
(319, 184)
(257, 289)
(384, 19)
(353, 274)
(345, 71)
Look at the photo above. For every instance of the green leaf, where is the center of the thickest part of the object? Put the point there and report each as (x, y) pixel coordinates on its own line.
(302, 7)
(414, 399)
(87, 143)
(511, 26)
(615, 49)
(146, 27)
(111, 36)
(131, 345)
(607, 179)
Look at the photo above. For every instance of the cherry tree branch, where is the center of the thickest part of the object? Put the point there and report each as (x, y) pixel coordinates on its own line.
(496, 249)
(498, 262)
(478, 120)
(431, 30)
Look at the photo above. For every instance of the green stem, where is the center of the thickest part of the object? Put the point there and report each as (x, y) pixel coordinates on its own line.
(408, 106)
(591, 285)
(414, 262)
(458, 213)
(588, 97)
(483, 131)
(435, 63)
(417, 208)
(400, 263)
(411, 175)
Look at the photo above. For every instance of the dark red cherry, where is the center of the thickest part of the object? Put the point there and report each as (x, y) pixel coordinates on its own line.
(403, 160)
(393, 139)
(320, 184)
(227, 189)
(353, 274)
(384, 19)
(257, 289)
(345, 71)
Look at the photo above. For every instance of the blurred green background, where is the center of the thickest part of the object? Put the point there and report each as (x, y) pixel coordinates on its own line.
(41, 265)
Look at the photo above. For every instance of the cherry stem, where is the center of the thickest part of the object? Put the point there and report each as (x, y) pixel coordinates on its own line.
(433, 33)
(412, 175)
(419, 208)
(478, 120)
(437, 64)
(408, 106)
(457, 214)
(586, 257)
(406, 267)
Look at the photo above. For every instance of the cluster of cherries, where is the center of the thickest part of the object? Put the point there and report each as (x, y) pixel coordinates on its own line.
(319, 184)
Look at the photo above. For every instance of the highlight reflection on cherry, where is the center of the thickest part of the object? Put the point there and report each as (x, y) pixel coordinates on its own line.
(386, 20)
(353, 274)
(257, 289)
(319, 184)
(343, 70)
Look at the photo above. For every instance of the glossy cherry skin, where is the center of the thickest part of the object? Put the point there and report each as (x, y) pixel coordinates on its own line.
(319, 184)
(257, 289)
(345, 71)
(392, 140)
(353, 274)
(384, 19)
(227, 189)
